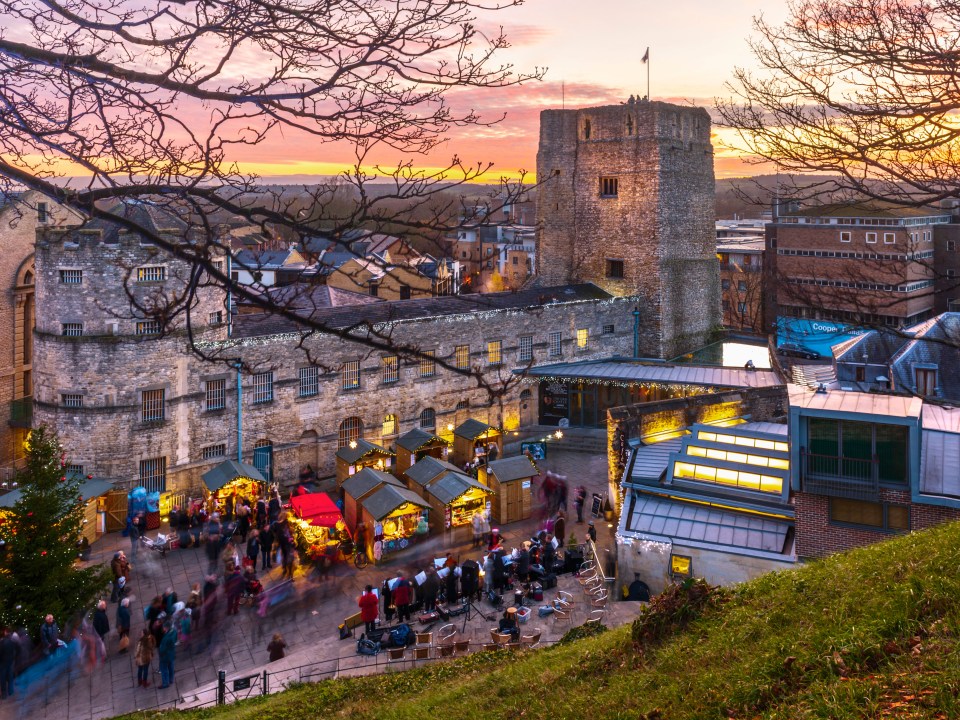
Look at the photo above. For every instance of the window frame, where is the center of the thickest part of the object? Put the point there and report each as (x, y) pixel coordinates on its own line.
(210, 390)
(350, 375)
(846, 236)
(153, 405)
(461, 357)
(70, 276)
(148, 327)
(615, 264)
(309, 381)
(555, 344)
(156, 469)
(874, 236)
(495, 353)
(213, 452)
(609, 186)
(71, 400)
(427, 366)
(884, 507)
(389, 369)
(151, 273)
(525, 351)
(431, 415)
(71, 329)
(261, 387)
(889, 238)
(583, 337)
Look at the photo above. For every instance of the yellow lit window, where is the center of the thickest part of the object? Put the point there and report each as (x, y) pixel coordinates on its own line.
(696, 451)
(781, 447)
(717, 454)
(750, 481)
(727, 477)
(683, 470)
(582, 338)
(771, 484)
(737, 457)
(494, 352)
(704, 472)
(708, 436)
(779, 463)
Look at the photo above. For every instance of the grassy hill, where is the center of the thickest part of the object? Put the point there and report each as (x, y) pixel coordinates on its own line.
(868, 634)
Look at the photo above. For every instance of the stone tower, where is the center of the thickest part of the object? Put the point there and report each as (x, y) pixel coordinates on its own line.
(626, 202)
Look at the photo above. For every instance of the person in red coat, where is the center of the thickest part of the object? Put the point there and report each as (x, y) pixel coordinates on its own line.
(369, 608)
(401, 598)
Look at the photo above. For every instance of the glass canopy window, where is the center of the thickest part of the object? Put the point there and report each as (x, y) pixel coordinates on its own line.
(741, 479)
(743, 441)
(738, 457)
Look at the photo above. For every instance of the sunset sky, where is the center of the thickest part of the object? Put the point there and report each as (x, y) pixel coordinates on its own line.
(593, 48)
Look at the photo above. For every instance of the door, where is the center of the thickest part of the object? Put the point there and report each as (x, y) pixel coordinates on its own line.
(115, 505)
(513, 501)
(528, 409)
(263, 461)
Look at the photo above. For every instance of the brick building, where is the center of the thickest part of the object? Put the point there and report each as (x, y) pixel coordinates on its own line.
(741, 283)
(627, 198)
(866, 262)
(494, 257)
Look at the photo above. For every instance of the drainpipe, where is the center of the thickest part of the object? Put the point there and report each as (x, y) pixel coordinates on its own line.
(229, 296)
(636, 331)
(239, 364)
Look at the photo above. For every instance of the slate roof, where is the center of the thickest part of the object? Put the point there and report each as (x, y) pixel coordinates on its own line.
(936, 343)
(512, 468)
(345, 317)
(680, 521)
(417, 438)
(154, 218)
(388, 498)
(626, 370)
(363, 448)
(359, 484)
(264, 259)
(650, 461)
(452, 485)
(228, 471)
(301, 297)
(879, 346)
(428, 468)
(471, 429)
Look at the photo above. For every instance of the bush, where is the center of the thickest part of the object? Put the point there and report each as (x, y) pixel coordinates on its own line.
(672, 610)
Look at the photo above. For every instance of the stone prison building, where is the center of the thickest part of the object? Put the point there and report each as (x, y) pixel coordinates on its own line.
(625, 221)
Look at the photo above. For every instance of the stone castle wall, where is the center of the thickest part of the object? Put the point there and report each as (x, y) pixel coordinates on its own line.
(660, 223)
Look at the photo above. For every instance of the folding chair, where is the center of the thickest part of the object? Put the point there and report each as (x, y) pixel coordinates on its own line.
(395, 654)
(424, 638)
(461, 646)
(595, 617)
(446, 633)
(421, 653)
(562, 614)
(532, 640)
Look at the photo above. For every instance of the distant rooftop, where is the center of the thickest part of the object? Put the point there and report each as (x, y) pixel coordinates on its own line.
(855, 402)
(618, 370)
(874, 208)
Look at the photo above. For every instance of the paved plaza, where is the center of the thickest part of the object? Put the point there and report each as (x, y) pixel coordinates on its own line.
(307, 620)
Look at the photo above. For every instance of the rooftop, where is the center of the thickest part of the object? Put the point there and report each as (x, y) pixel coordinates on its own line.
(847, 401)
(637, 371)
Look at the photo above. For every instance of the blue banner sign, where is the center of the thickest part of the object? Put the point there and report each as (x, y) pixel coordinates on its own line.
(817, 335)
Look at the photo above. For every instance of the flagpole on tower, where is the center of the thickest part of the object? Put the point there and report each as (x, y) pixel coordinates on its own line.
(646, 61)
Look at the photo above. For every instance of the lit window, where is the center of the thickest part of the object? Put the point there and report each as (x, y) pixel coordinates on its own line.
(148, 327)
(555, 345)
(681, 565)
(494, 352)
(152, 273)
(461, 356)
(262, 388)
(309, 381)
(390, 426)
(216, 392)
(526, 348)
(71, 277)
(428, 366)
(153, 474)
(151, 405)
(213, 451)
(390, 369)
(72, 329)
(350, 375)
(582, 338)
(71, 401)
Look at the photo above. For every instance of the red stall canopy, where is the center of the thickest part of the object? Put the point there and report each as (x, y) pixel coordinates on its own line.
(317, 509)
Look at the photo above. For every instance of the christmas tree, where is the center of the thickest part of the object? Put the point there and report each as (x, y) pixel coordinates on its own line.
(39, 573)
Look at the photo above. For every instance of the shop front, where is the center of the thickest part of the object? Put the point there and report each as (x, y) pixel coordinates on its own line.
(399, 518)
(318, 525)
(476, 441)
(232, 480)
(418, 444)
(360, 454)
(456, 498)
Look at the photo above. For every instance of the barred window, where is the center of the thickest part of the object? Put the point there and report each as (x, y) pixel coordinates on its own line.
(494, 352)
(526, 348)
(350, 375)
(148, 327)
(463, 405)
(609, 187)
(71, 277)
(216, 394)
(153, 474)
(428, 366)
(151, 405)
(72, 329)
(555, 346)
(71, 400)
(391, 369)
(350, 431)
(390, 425)
(428, 419)
(151, 273)
(582, 336)
(262, 388)
(216, 318)
(214, 451)
(461, 356)
(75, 470)
(309, 381)
(608, 329)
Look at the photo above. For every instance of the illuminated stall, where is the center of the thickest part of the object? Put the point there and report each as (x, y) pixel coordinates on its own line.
(511, 479)
(472, 440)
(232, 478)
(398, 518)
(418, 444)
(318, 524)
(91, 491)
(359, 486)
(359, 454)
(453, 496)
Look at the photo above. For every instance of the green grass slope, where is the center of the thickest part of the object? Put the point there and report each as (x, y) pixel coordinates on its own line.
(868, 634)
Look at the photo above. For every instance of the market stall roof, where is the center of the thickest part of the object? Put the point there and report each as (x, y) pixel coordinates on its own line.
(316, 508)
(417, 438)
(512, 468)
(228, 471)
(89, 488)
(362, 449)
(453, 485)
(359, 484)
(388, 498)
(472, 429)
(428, 468)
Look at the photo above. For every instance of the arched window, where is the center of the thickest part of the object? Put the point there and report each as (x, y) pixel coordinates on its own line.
(428, 419)
(350, 429)
(28, 278)
(390, 426)
(463, 405)
(525, 395)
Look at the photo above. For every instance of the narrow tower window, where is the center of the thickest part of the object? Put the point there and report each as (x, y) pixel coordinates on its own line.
(629, 125)
(586, 129)
(609, 187)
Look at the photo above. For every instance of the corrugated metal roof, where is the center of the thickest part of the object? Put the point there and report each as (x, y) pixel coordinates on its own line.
(855, 402)
(684, 521)
(616, 370)
(227, 472)
(388, 498)
(428, 468)
(937, 417)
(359, 484)
(651, 460)
(363, 448)
(939, 463)
(417, 438)
(512, 468)
(452, 485)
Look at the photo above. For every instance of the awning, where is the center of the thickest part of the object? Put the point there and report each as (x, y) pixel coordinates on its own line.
(317, 509)
(89, 489)
(228, 471)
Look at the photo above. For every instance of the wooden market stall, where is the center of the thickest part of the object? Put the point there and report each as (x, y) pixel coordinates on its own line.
(236, 479)
(472, 439)
(359, 454)
(398, 517)
(511, 479)
(453, 496)
(91, 492)
(418, 444)
(359, 486)
(425, 471)
(318, 524)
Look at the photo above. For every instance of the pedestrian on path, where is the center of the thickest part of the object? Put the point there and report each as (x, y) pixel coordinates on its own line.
(9, 650)
(369, 605)
(276, 647)
(123, 624)
(401, 598)
(168, 654)
(101, 623)
(579, 498)
(144, 656)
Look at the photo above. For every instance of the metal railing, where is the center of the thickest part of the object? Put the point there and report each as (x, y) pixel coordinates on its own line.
(852, 478)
